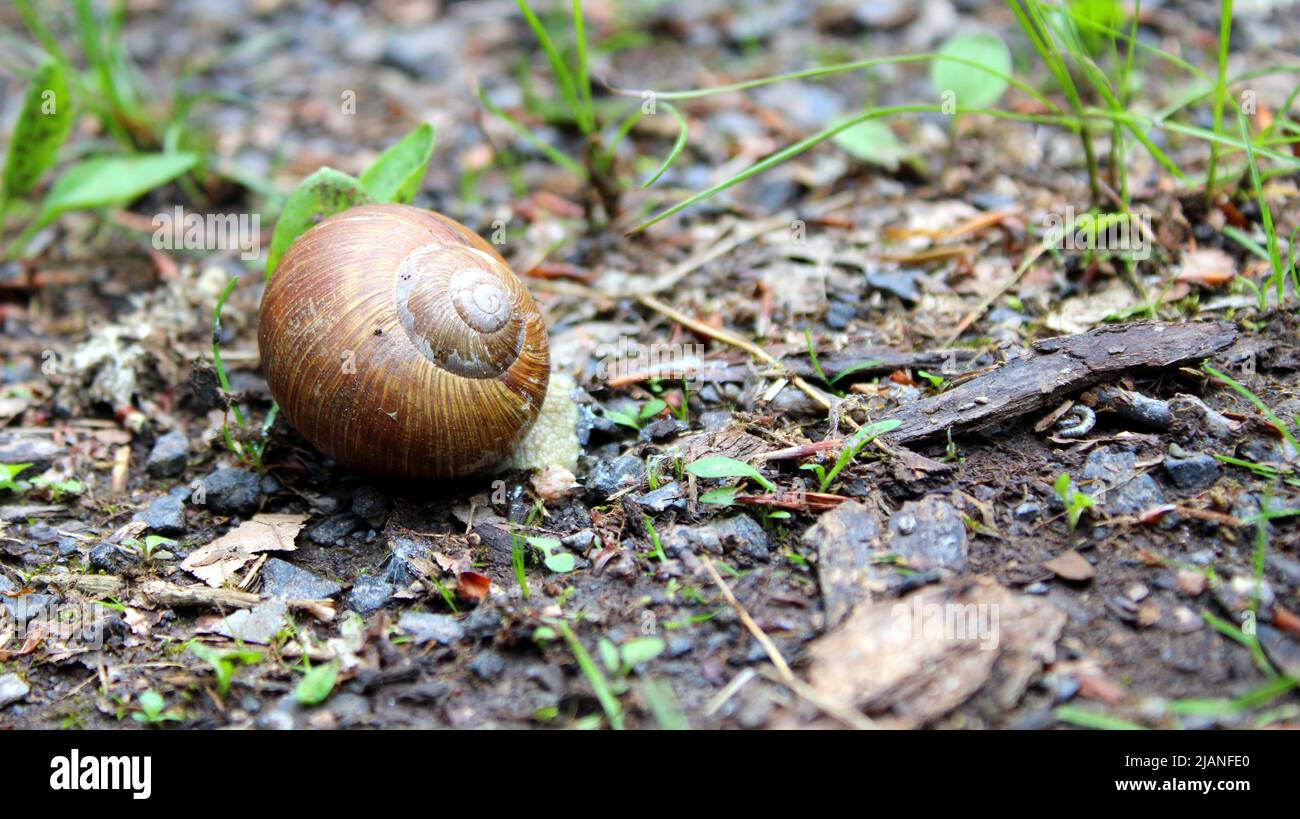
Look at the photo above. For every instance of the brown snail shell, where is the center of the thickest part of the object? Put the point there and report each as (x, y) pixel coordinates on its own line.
(399, 343)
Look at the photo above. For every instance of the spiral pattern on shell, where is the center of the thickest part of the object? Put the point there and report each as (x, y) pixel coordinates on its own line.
(399, 343)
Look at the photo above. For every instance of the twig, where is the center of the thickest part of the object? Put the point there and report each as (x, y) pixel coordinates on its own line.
(748, 346)
(846, 714)
(773, 653)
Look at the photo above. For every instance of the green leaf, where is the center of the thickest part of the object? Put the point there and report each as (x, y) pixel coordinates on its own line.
(320, 195)
(722, 496)
(973, 88)
(640, 650)
(7, 474)
(719, 466)
(608, 654)
(104, 181)
(43, 124)
(873, 142)
(1091, 21)
(622, 418)
(396, 175)
(652, 408)
(560, 563)
(317, 684)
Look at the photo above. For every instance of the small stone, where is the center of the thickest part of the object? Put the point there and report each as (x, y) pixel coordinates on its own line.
(1070, 565)
(405, 563)
(1194, 472)
(1027, 510)
(169, 455)
(110, 557)
(929, 534)
(662, 430)
(487, 666)
(258, 625)
(333, 530)
(900, 283)
(283, 579)
(738, 533)
(371, 504)
(12, 689)
(1190, 582)
(482, 622)
(1137, 592)
(232, 491)
(609, 476)
(369, 594)
(425, 628)
(668, 496)
(678, 645)
(1186, 621)
(26, 449)
(165, 515)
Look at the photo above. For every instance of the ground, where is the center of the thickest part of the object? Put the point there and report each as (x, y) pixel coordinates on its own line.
(935, 580)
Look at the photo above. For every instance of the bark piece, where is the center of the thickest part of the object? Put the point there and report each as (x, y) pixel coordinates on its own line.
(1056, 367)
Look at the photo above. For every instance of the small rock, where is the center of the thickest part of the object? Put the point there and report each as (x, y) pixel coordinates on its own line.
(1027, 510)
(668, 496)
(1194, 472)
(12, 689)
(1128, 492)
(1238, 594)
(929, 534)
(371, 504)
(169, 455)
(738, 533)
(1190, 582)
(1137, 592)
(901, 283)
(487, 666)
(283, 579)
(333, 530)
(609, 476)
(1282, 648)
(405, 562)
(662, 430)
(259, 624)
(1186, 621)
(425, 628)
(678, 645)
(1070, 565)
(165, 515)
(232, 491)
(369, 594)
(482, 622)
(26, 449)
(111, 558)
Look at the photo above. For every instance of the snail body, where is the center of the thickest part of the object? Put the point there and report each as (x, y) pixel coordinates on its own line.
(399, 343)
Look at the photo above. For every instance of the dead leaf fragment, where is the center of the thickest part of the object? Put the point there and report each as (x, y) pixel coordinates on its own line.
(220, 560)
(1070, 565)
(909, 661)
(1208, 266)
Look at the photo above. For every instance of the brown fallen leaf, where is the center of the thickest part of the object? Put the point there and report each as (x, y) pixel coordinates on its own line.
(1070, 565)
(217, 562)
(1208, 266)
(909, 661)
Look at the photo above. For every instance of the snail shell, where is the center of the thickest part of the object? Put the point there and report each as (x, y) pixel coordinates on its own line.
(399, 343)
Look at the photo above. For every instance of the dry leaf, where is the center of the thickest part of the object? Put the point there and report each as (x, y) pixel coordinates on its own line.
(217, 563)
(1209, 266)
(911, 660)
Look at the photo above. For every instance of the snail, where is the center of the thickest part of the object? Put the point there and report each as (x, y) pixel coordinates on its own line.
(399, 343)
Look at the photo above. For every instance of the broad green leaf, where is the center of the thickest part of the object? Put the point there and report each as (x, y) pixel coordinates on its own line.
(1092, 20)
(317, 684)
(722, 496)
(641, 650)
(972, 87)
(322, 194)
(43, 123)
(560, 563)
(608, 654)
(104, 181)
(719, 466)
(10, 471)
(396, 175)
(873, 142)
